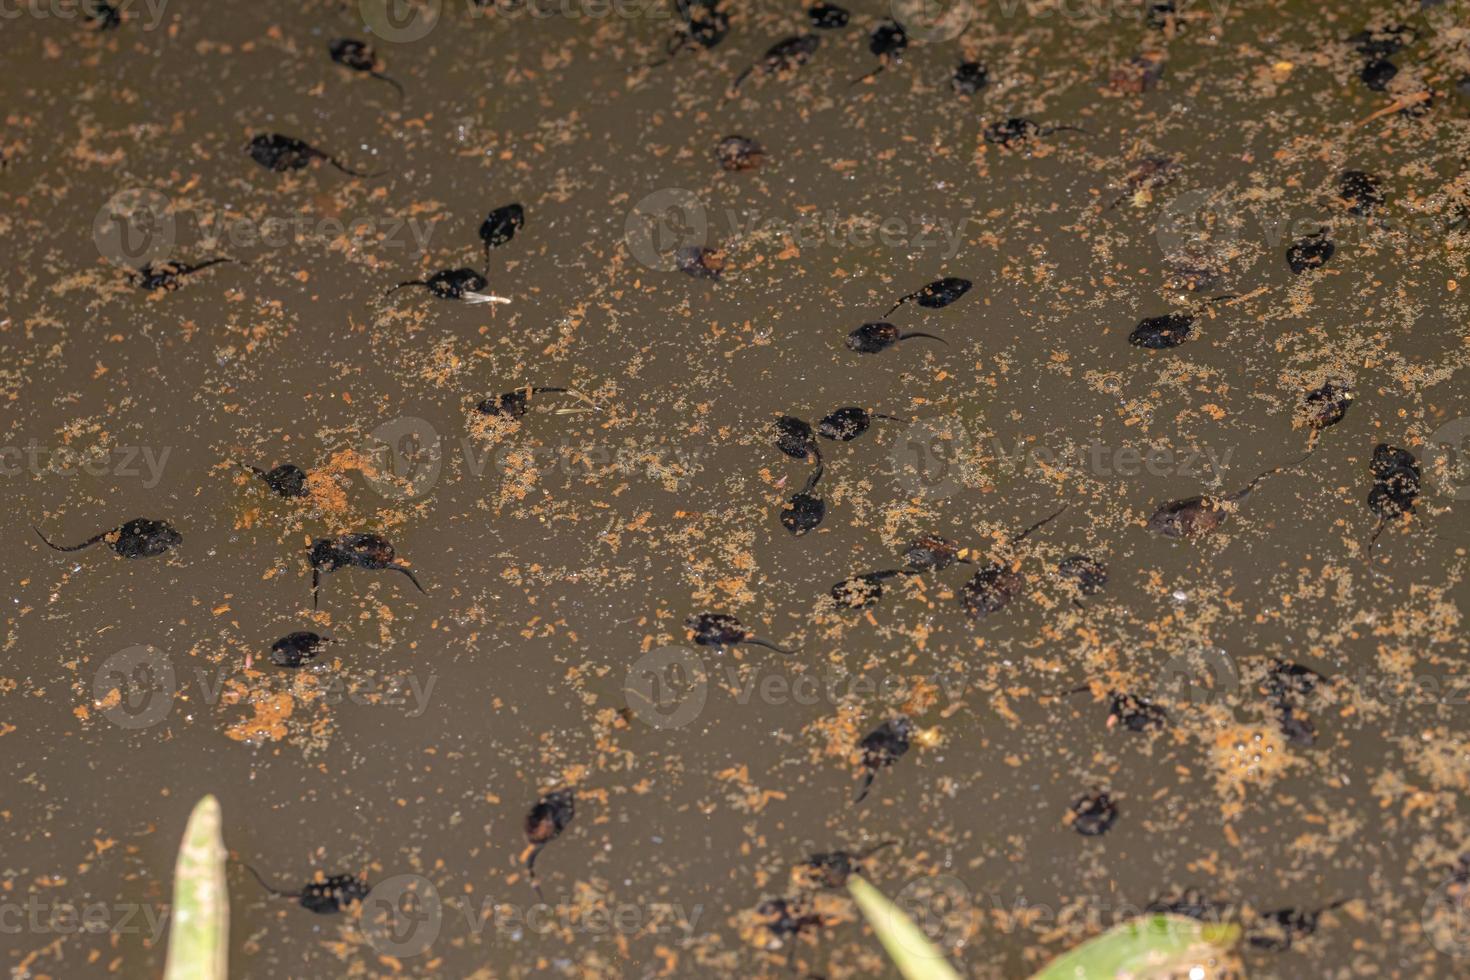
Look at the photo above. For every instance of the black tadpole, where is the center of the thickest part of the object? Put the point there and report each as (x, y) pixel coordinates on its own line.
(360, 57)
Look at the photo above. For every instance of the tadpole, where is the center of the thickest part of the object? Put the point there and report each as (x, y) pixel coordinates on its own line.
(544, 824)
(970, 77)
(827, 16)
(874, 338)
(166, 276)
(1094, 813)
(1088, 575)
(997, 583)
(324, 895)
(1170, 329)
(705, 25)
(796, 438)
(1310, 252)
(362, 549)
(932, 553)
(784, 918)
(723, 630)
(786, 54)
(1396, 485)
(1202, 515)
(1324, 407)
(359, 56)
(1020, 130)
(700, 262)
(516, 404)
(846, 424)
(804, 510)
(296, 649)
(736, 153)
(465, 284)
(831, 869)
(500, 226)
(862, 591)
(937, 295)
(887, 42)
(1377, 73)
(104, 15)
(138, 538)
(284, 153)
(1360, 191)
(285, 480)
(881, 748)
(1135, 713)
(1278, 930)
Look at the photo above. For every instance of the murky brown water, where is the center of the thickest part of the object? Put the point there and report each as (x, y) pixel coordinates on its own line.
(561, 554)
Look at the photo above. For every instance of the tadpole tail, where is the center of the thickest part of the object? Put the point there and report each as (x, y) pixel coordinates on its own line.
(876, 848)
(902, 300)
(739, 81)
(411, 282)
(1382, 524)
(926, 336)
(405, 571)
(349, 171)
(316, 584)
(814, 479)
(768, 645)
(531, 870)
(865, 787)
(1275, 469)
(75, 547)
(1063, 129)
(888, 418)
(278, 893)
(1038, 525)
(390, 81)
(863, 78)
(184, 271)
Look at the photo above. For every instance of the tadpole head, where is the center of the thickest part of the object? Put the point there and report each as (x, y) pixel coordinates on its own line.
(1360, 191)
(501, 225)
(827, 16)
(1094, 813)
(513, 404)
(296, 649)
(888, 39)
(1162, 332)
(795, 437)
(281, 153)
(844, 424)
(715, 629)
(736, 153)
(144, 538)
(931, 553)
(550, 816)
(699, 262)
(969, 78)
(285, 480)
(1008, 131)
(454, 283)
(1089, 575)
(1311, 252)
(1326, 406)
(803, 512)
(352, 53)
(873, 338)
(884, 745)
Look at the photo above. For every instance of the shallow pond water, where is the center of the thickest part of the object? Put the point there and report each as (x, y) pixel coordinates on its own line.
(688, 291)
